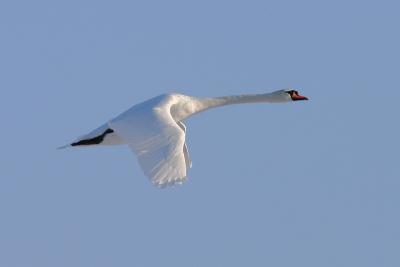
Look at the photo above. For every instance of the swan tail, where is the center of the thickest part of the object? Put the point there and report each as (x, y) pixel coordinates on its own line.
(63, 147)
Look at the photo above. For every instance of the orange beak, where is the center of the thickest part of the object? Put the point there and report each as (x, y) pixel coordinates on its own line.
(299, 97)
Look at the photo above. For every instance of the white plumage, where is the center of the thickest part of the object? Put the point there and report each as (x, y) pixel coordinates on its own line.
(155, 131)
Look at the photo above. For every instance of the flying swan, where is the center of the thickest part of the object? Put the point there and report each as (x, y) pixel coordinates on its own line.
(155, 130)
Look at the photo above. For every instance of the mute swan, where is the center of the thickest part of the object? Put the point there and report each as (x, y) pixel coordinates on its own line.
(155, 132)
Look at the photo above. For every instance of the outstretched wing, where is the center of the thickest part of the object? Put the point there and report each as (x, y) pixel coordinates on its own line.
(188, 161)
(159, 143)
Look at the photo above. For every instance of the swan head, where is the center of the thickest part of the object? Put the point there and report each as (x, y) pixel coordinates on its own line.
(295, 96)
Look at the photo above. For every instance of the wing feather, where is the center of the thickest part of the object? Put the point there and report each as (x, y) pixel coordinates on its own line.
(159, 143)
(188, 161)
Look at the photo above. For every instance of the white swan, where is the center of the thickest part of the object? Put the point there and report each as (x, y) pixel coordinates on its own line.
(155, 131)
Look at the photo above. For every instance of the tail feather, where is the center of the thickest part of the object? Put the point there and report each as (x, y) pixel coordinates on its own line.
(62, 147)
(89, 141)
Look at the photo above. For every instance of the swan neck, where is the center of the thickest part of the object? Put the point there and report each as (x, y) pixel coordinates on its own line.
(207, 103)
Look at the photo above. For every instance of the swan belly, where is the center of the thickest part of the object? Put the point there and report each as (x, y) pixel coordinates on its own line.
(113, 139)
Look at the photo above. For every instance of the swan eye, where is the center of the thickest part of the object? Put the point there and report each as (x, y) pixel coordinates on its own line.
(291, 92)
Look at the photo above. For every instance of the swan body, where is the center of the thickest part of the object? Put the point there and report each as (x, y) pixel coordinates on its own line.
(155, 130)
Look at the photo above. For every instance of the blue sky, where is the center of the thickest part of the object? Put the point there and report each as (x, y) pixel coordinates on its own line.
(300, 184)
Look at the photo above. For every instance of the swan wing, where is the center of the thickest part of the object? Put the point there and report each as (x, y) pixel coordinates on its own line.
(159, 143)
(188, 161)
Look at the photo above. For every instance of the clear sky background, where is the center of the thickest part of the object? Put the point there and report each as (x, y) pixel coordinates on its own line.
(301, 184)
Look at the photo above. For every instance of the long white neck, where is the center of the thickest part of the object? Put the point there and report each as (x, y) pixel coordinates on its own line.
(275, 97)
